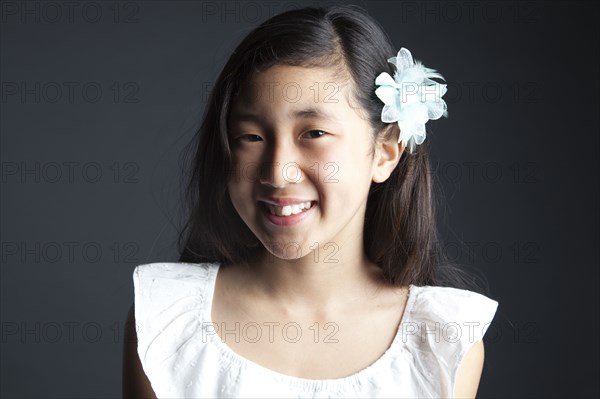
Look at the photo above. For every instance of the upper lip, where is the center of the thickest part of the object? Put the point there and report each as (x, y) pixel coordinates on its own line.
(284, 201)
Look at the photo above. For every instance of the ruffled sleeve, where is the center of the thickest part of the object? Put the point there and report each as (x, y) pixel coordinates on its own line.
(169, 311)
(443, 325)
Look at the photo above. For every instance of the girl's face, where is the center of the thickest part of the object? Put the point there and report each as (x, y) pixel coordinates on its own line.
(296, 141)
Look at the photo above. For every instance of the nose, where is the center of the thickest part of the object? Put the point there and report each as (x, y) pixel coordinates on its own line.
(279, 167)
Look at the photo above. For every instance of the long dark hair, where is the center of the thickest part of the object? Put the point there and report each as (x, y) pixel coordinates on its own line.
(400, 232)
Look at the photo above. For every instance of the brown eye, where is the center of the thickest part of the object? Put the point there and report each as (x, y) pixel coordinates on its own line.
(249, 137)
(315, 134)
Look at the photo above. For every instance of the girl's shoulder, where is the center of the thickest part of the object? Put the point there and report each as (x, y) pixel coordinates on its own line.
(172, 312)
(454, 313)
(167, 283)
(452, 304)
(180, 270)
(169, 288)
(443, 323)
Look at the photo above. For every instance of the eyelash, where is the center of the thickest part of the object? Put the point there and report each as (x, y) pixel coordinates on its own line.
(320, 131)
(246, 137)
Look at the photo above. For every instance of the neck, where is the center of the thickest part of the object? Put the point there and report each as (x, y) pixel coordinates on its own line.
(325, 279)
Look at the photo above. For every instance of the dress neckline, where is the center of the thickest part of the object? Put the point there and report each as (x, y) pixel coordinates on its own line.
(306, 383)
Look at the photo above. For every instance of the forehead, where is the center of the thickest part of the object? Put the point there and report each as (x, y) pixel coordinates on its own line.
(286, 74)
(294, 89)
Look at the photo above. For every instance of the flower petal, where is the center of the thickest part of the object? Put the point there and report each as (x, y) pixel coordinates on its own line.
(435, 110)
(405, 133)
(409, 94)
(404, 59)
(384, 79)
(419, 113)
(413, 75)
(390, 114)
(419, 139)
(387, 94)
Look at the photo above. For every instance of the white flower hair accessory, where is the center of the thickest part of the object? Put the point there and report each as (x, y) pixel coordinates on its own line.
(411, 98)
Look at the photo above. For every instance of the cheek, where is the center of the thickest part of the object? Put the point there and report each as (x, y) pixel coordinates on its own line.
(346, 166)
(245, 170)
(237, 190)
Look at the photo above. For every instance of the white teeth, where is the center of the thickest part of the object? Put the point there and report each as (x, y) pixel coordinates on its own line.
(289, 209)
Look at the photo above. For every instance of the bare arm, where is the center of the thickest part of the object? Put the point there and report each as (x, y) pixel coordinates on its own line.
(135, 382)
(469, 372)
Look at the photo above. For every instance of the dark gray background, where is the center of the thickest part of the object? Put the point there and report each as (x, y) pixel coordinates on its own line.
(90, 181)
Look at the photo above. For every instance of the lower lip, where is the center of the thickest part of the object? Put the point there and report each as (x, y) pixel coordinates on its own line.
(286, 220)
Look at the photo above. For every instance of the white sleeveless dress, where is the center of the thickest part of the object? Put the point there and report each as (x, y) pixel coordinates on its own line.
(183, 357)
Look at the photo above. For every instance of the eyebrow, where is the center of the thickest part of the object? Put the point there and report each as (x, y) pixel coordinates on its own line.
(312, 113)
(308, 113)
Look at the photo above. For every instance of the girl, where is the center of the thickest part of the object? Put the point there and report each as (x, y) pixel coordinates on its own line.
(310, 264)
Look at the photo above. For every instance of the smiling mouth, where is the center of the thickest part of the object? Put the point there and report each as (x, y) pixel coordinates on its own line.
(289, 210)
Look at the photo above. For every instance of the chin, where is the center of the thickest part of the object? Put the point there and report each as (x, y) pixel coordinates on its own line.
(291, 251)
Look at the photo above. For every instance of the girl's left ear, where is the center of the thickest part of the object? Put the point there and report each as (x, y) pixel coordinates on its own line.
(387, 153)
